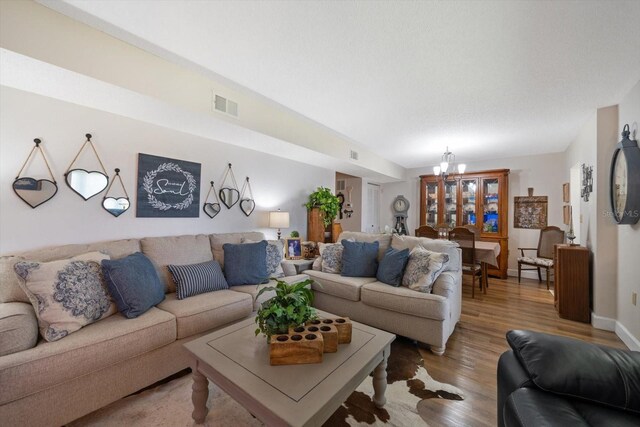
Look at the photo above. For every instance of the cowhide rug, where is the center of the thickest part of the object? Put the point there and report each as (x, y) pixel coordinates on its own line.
(169, 404)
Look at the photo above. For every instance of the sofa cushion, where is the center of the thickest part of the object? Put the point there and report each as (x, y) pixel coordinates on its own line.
(246, 263)
(434, 245)
(359, 259)
(10, 290)
(218, 240)
(194, 279)
(207, 311)
(92, 348)
(66, 294)
(392, 266)
(580, 370)
(384, 240)
(177, 250)
(339, 286)
(253, 290)
(423, 269)
(404, 300)
(275, 255)
(18, 327)
(331, 256)
(134, 284)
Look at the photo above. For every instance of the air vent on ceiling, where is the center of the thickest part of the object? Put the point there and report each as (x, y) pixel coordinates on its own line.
(224, 105)
(353, 155)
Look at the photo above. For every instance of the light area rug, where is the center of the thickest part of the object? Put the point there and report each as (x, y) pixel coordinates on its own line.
(170, 404)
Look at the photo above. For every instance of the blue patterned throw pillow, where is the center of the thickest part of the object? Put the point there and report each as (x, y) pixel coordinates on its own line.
(66, 294)
(246, 263)
(423, 269)
(134, 284)
(392, 266)
(198, 278)
(359, 259)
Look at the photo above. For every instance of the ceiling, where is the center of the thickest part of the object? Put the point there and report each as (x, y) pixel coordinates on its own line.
(406, 79)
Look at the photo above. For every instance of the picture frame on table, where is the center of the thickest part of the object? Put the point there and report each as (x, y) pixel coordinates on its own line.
(293, 248)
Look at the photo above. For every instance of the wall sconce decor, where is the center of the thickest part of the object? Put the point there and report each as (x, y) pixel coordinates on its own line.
(587, 182)
(348, 209)
(447, 165)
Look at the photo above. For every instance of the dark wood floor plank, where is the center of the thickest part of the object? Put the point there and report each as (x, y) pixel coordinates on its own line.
(471, 358)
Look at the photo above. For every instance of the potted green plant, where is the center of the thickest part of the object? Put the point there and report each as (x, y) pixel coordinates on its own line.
(326, 202)
(290, 307)
(295, 233)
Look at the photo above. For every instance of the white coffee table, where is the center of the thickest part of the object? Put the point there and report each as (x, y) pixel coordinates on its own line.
(293, 395)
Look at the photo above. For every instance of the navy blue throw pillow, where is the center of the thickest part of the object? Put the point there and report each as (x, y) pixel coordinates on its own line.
(246, 263)
(359, 259)
(198, 278)
(392, 266)
(133, 284)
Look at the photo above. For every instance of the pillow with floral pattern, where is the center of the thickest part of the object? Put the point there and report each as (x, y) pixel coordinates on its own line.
(423, 268)
(66, 294)
(331, 255)
(275, 255)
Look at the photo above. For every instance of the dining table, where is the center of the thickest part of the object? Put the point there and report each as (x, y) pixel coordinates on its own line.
(487, 254)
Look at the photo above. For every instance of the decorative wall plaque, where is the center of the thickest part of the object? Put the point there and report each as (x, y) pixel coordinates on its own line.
(530, 212)
(167, 187)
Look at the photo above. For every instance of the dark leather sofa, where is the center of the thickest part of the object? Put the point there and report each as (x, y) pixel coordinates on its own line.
(547, 380)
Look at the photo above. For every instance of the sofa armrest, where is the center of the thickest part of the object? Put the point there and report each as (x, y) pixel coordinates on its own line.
(446, 284)
(579, 369)
(18, 327)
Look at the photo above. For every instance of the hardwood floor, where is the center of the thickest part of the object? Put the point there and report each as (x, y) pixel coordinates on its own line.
(470, 361)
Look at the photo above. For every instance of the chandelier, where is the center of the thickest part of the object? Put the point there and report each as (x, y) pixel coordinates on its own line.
(448, 165)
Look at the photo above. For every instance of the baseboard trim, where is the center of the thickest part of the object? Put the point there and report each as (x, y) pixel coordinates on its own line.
(604, 323)
(627, 338)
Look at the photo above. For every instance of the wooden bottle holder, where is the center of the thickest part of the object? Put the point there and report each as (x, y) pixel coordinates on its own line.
(306, 344)
(296, 348)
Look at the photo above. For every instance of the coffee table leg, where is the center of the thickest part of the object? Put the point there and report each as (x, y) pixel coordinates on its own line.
(380, 382)
(199, 396)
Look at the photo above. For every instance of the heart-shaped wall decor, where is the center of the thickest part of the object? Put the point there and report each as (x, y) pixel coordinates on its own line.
(211, 209)
(116, 206)
(86, 184)
(34, 192)
(229, 196)
(247, 206)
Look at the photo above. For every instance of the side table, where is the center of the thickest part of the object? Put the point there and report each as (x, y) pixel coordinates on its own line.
(291, 267)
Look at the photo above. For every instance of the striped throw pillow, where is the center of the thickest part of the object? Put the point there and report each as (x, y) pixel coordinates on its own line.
(197, 279)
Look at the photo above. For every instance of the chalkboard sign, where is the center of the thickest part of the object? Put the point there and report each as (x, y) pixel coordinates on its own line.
(167, 188)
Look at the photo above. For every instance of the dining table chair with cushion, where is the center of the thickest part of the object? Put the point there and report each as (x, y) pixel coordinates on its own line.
(470, 266)
(549, 238)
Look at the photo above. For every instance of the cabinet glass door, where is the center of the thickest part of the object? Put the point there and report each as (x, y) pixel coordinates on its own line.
(451, 203)
(432, 203)
(469, 191)
(490, 216)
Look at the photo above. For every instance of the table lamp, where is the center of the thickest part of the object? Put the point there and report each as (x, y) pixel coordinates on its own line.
(278, 219)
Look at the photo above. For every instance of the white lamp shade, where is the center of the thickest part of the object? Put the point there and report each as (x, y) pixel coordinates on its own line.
(462, 167)
(444, 166)
(278, 219)
(436, 170)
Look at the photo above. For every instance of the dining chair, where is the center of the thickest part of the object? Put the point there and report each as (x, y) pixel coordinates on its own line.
(549, 237)
(467, 241)
(475, 230)
(427, 231)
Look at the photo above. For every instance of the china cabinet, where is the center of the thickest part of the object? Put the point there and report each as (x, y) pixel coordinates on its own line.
(474, 198)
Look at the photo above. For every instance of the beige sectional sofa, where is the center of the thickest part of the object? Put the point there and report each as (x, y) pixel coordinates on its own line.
(53, 383)
(426, 317)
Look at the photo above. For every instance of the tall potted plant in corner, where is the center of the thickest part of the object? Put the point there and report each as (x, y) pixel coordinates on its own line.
(322, 208)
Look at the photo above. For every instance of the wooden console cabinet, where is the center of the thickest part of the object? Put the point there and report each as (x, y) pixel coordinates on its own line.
(572, 288)
(475, 198)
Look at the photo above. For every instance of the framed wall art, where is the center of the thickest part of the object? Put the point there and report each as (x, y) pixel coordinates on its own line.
(168, 188)
(566, 194)
(530, 212)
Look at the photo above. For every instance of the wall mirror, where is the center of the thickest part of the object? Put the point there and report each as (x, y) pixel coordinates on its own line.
(35, 192)
(116, 206)
(229, 196)
(86, 183)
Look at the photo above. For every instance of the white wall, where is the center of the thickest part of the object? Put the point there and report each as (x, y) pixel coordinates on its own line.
(628, 266)
(544, 173)
(276, 182)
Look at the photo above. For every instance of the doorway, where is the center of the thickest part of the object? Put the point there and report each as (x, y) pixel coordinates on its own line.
(371, 222)
(575, 181)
